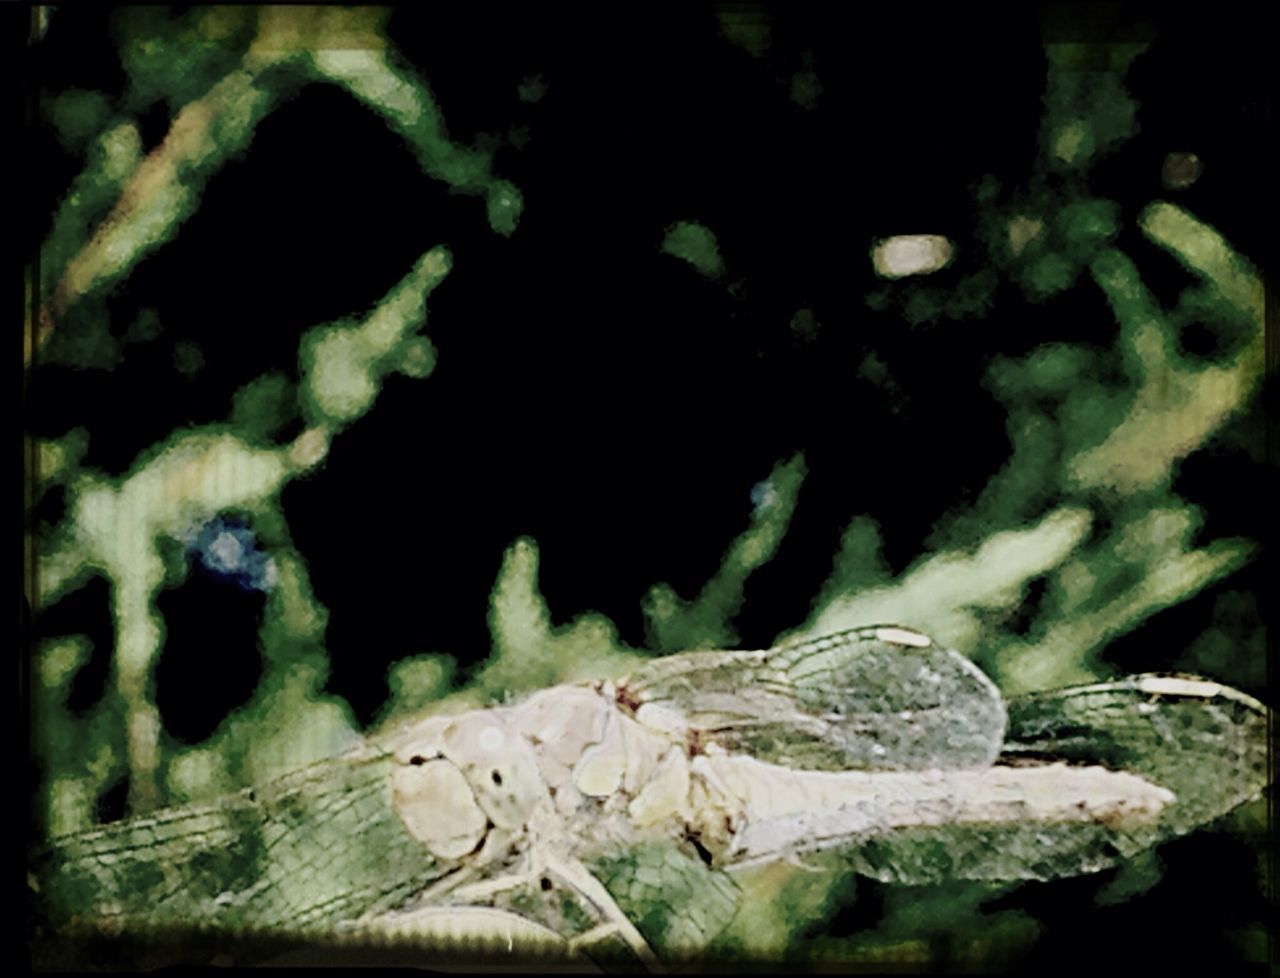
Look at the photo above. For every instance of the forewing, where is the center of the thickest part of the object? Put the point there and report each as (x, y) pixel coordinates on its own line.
(876, 698)
(321, 845)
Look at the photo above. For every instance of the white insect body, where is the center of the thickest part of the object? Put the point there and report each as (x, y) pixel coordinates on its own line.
(619, 817)
(526, 789)
(541, 788)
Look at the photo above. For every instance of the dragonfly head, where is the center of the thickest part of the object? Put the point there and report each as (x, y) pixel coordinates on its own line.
(455, 778)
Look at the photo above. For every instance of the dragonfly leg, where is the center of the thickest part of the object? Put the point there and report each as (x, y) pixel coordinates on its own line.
(520, 876)
(579, 877)
(793, 859)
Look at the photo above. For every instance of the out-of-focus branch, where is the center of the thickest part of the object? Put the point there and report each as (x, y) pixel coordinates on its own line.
(117, 527)
(1176, 407)
(340, 45)
(945, 594)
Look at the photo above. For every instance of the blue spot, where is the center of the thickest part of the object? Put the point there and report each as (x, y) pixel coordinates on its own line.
(229, 550)
(763, 495)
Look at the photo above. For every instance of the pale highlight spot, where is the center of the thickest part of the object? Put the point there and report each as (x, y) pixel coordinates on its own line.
(903, 636)
(1172, 686)
(1201, 688)
(1175, 686)
(911, 254)
(491, 739)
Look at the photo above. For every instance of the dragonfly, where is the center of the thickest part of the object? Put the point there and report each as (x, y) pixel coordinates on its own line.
(612, 822)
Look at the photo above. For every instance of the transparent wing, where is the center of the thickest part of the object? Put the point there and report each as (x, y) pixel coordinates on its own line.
(678, 902)
(1204, 743)
(318, 846)
(874, 698)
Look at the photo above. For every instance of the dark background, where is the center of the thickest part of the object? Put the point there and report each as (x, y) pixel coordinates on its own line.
(602, 397)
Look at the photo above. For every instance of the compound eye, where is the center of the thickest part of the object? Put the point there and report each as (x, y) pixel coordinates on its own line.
(438, 807)
(498, 764)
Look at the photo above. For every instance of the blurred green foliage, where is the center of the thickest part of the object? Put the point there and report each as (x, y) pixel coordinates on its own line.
(1135, 553)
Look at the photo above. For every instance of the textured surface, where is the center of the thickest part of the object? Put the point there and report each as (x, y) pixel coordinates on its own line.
(855, 699)
(677, 902)
(1206, 745)
(1204, 742)
(294, 857)
(1088, 776)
